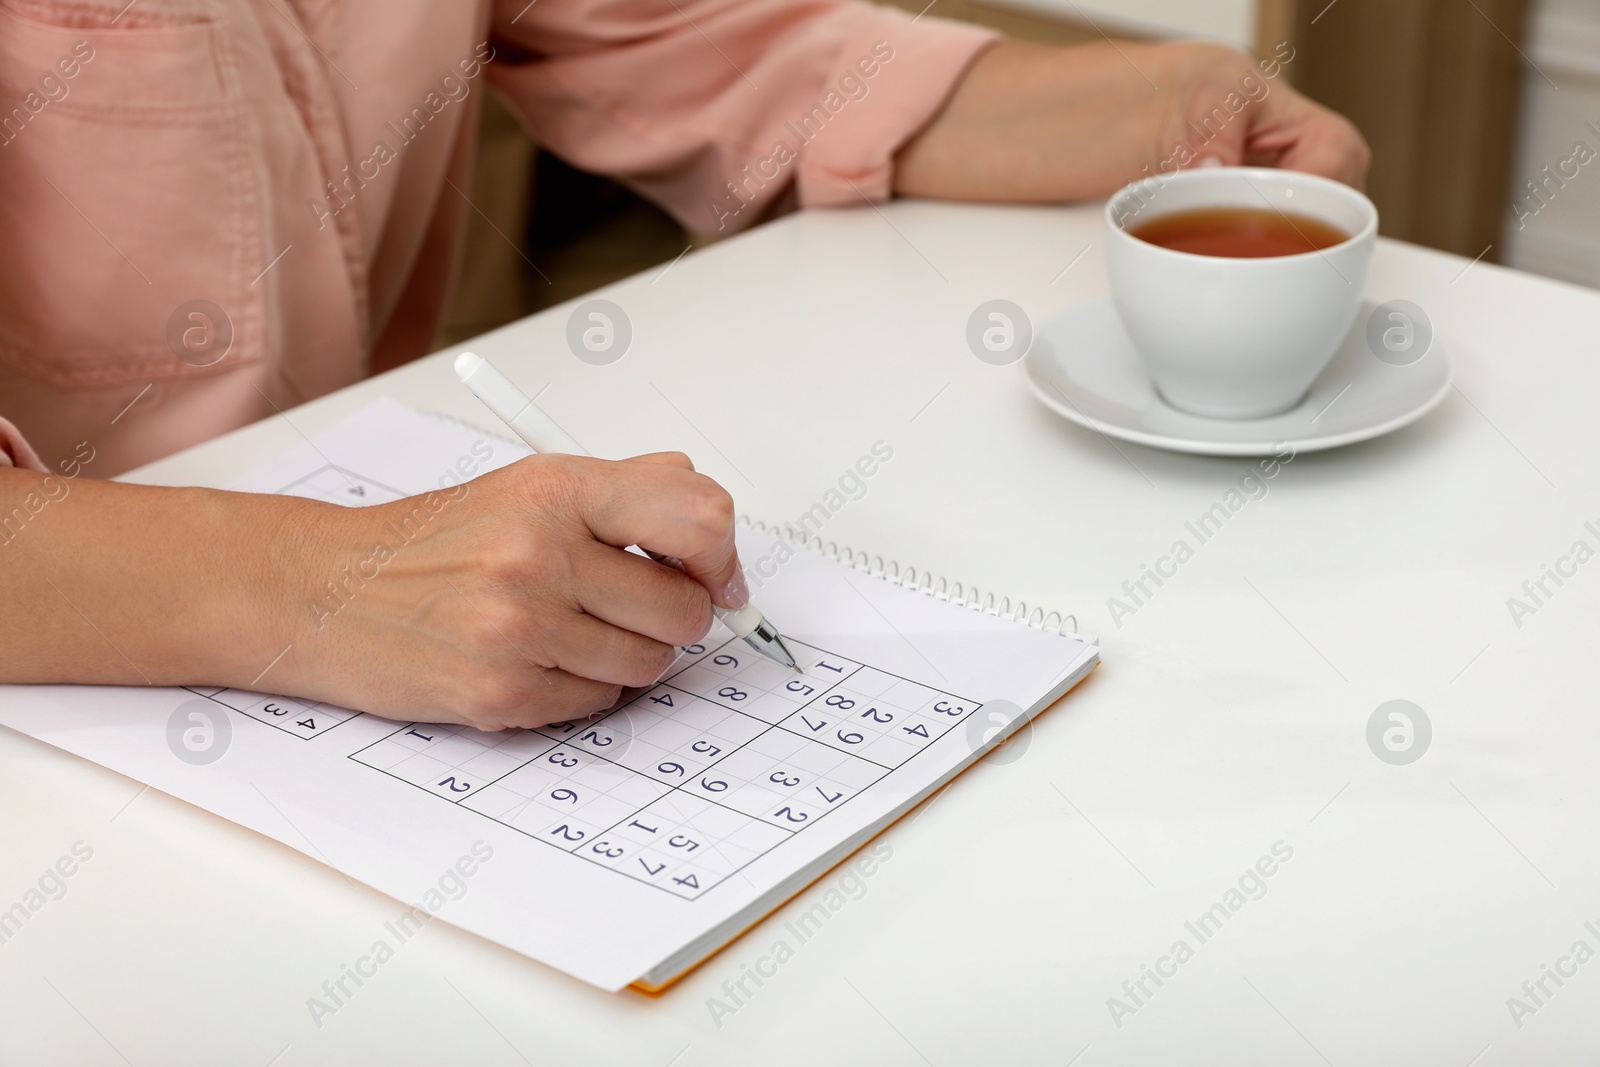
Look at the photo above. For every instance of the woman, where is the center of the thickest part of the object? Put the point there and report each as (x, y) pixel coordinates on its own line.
(213, 210)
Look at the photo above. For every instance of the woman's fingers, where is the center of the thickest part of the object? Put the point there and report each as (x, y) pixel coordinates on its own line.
(675, 512)
(1295, 133)
(594, 649)
(538, 696)
(648, 598)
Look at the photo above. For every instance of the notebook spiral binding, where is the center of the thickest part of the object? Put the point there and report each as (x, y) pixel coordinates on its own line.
(922, 581)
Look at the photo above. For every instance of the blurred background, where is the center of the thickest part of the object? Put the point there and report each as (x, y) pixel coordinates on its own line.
(1483, 116)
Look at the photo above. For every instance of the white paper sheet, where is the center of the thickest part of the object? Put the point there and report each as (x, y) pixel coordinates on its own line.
(601, 848)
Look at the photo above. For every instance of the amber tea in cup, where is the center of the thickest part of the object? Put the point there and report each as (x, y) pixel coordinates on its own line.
(1239, 232)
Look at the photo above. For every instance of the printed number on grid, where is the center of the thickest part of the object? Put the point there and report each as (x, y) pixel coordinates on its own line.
(694, 779)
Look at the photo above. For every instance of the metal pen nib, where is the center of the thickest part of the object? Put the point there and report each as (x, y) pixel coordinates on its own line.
(766, 640)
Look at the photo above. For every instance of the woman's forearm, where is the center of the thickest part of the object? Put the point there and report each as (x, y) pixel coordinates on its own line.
(111, 583)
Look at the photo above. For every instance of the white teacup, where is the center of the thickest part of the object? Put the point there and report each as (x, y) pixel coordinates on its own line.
(1236, 338)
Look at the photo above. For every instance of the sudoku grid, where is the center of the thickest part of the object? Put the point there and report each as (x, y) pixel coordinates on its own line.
(696, 777)
(339, 486)
(682, 787)
(302, 718)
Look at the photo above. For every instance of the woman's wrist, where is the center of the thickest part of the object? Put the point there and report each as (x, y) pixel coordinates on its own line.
(262, 604)
(125, 584)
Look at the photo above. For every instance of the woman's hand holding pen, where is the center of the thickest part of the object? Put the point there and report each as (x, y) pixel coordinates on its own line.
(516, 604)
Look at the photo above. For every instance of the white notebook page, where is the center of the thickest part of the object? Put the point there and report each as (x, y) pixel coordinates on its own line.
(602, 847)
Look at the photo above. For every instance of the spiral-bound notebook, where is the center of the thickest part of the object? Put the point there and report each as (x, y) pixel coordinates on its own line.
(625, 848)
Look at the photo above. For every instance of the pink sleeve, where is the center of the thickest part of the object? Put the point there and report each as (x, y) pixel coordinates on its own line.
(15, 451)
(717, 108)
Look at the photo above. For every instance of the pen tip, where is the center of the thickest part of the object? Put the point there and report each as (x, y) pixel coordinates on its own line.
(778, 640)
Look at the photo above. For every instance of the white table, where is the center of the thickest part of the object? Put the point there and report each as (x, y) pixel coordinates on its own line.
(1230, 713)
(1230, 21)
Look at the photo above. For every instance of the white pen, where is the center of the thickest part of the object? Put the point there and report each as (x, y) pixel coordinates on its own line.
(541, 434)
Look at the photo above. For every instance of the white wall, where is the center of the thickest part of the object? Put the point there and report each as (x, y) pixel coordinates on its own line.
(1232, 21)
(1560, 234)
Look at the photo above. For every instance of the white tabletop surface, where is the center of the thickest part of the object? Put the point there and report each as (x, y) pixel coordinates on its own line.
(1230, 713)
(1232, 21)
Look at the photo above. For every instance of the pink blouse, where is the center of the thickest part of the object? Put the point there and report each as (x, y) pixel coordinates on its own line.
(214, 209)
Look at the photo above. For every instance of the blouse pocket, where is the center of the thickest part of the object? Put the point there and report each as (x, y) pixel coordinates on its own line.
(128, 203)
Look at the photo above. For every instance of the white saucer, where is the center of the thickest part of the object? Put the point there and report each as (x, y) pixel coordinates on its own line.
(1083, 366)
